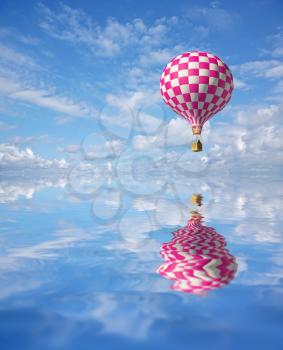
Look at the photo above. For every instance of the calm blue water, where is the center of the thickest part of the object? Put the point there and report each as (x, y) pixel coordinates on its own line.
(78, 265)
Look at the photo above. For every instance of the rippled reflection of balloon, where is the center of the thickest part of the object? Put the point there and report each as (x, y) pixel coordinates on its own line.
(196, 258)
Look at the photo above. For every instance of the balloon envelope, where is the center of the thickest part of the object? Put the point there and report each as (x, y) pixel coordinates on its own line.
(196, 85)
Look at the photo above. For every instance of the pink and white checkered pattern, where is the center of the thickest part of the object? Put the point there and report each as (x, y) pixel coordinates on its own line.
(196, 85)
(196, 259)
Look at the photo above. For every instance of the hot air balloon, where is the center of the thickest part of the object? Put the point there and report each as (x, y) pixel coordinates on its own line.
(196, 258)
(196, 85)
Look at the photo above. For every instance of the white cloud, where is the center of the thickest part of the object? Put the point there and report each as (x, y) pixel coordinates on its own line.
(275, 44)
(215, 17)
(70, 148)
(43, 139)
(160, 56)
(22, 79)
(5, 126)
(272, 69)
(259, 232)
(9, 55)
(76, 27)
(65, 238)
(240, 84)
(23, 187)
(12, 157)
(133, 100)
(57, 103)
(16, 89)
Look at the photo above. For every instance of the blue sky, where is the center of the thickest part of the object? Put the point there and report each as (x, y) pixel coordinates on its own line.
(79, 93)
(65, 68)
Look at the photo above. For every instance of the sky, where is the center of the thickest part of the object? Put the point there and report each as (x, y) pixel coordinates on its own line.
(79, 82)
(96, 171)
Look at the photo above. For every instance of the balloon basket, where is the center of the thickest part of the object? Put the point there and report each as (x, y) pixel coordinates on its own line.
(197, 146)
(196, 199)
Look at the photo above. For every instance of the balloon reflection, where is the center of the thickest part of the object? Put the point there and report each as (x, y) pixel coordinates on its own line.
(196, 258)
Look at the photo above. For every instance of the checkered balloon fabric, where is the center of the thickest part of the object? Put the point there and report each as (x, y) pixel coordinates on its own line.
(196, 85)
(197, 259)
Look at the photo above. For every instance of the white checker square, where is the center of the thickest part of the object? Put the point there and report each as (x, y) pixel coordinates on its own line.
(175, 82)
(200, 105)
(193, 65)
(213, 81)
(169, 65)
(220, 100)
(184, 89)
(183, 73)
(204, 72)
(203, 88)
(227, 86)
(203, 59)
(174, 68)
(170, 92)
(194, 96)
(222, 76)
(193, 53)
(213, 66)
(167, 78)
(193, 79)
(219, 91)
(208, 98)
(220, 63)
(183, 60)
(180, 98)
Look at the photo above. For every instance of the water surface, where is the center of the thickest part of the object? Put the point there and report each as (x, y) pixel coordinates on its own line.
(82, 268)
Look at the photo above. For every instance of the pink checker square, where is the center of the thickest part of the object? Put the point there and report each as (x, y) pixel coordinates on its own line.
(221, 69)
(167, 71)
(187, 97)
(221, 83)
(193, 87)
(201, 96)
(204, 65)
(212, 60)
(228, 79)
(166, 95)
(175, 62)
(177, 90)
(213, 73)
(211, 89)
(183, 80)
(203, 54)
(175, 100)
(194, 71)
(183, 66)
(205, 105)
(193, 59)
(178, 109)
(203, 80)
(168, 85)
(215, 99)
(194, 105)
(173, 75)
